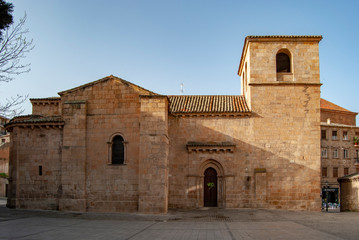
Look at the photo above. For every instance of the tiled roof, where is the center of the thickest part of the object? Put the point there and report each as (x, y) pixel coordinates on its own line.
(285, 36)
(208, 104)
(35, 119)
(46, 99)
(326, 105)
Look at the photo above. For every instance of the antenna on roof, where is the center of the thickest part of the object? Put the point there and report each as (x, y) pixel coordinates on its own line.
(182, 89)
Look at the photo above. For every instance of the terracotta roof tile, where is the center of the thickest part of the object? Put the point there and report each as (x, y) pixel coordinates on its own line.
(324, 104)
(35, 119)
(208, 104)
(286, 36)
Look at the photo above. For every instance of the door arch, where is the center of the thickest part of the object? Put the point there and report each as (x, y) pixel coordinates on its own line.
(210, 188)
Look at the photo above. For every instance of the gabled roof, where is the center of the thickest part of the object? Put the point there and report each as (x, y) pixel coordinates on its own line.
(207, 104)
(135, 87)
(326, 105)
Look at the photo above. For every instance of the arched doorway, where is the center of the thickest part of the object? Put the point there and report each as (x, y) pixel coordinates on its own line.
(210, 187)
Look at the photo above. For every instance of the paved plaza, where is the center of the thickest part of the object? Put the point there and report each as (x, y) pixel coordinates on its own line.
(208, 223)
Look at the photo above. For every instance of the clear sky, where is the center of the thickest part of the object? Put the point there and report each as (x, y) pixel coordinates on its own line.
(160, 44)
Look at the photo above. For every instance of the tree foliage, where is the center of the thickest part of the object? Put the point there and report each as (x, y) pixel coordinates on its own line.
(6, 10)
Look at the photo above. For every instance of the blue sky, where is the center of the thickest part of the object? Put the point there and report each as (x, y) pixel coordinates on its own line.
(160, 44)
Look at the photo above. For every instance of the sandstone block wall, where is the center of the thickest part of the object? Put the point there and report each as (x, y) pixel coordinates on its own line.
(35, 172)
(111, 109)
(46, 107)
(349, 197)
(153, 164)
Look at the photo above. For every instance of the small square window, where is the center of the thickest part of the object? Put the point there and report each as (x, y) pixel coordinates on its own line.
(334, 135)
(345, 135)
(335, 153)
(335, 172)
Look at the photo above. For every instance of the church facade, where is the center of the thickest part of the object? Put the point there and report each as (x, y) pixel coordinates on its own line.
(111, 145)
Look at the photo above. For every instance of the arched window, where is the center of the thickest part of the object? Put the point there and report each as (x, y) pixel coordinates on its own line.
(283, 62)
(118, 150)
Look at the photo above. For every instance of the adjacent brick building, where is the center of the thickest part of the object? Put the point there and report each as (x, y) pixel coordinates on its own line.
(4, 156)
(111, 145)
(338, 151)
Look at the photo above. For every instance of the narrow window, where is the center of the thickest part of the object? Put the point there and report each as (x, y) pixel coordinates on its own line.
(335, 172)
(346, 171)
(324, 172)
(346, 153)
(357, 169)
(283, 62)
(324, 134)
(324, 153)
(345, 135)
(335, 153)
(118, 153)
(334, 135)
(40, 170)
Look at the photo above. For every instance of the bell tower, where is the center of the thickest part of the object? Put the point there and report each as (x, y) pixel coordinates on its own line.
(280, 80)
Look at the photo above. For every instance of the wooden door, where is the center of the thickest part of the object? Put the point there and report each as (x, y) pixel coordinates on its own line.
(210, 187)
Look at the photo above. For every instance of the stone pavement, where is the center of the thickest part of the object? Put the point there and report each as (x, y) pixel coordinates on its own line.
(207, 223)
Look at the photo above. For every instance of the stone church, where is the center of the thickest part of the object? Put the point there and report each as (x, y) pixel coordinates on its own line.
(113, 146)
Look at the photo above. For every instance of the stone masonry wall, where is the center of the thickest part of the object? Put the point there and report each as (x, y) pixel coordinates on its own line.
(112, 108)
(35, 174)
(153, 164)
(349, 197)
(46, 109)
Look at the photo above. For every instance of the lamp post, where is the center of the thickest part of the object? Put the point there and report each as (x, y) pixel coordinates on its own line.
(326, 196)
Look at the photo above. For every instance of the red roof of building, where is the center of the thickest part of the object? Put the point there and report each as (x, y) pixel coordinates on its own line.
(326, 105)
(208, 104)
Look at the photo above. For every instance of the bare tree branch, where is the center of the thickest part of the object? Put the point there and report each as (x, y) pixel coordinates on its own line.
(13, 106)
(13, 48)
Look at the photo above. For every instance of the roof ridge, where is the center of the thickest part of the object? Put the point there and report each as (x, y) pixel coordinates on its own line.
(325, 104)
(103, 80)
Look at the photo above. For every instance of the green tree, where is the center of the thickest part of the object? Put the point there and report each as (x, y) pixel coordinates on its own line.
(6, 20)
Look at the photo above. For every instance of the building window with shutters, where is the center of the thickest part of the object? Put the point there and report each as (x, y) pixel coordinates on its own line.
(324, 153)
(346, 171)
(117, 150)
(346, 153)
